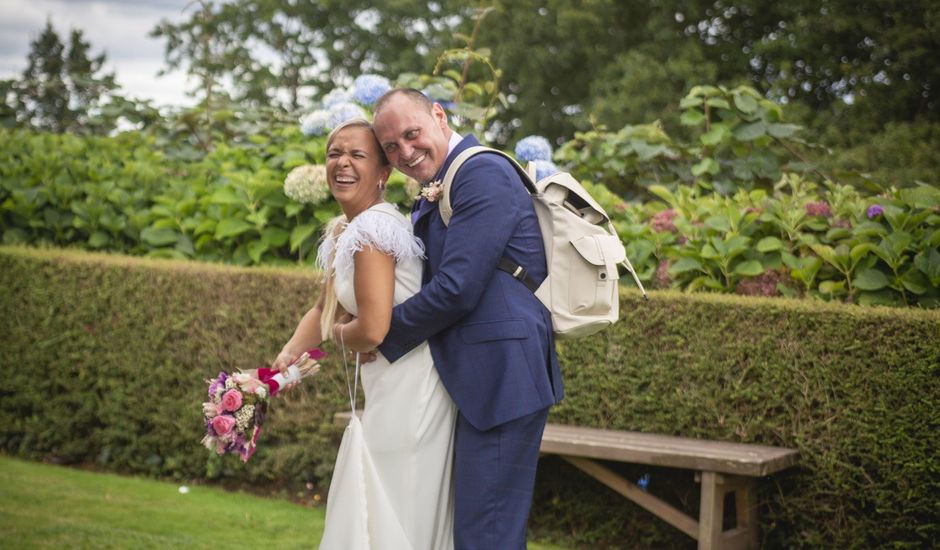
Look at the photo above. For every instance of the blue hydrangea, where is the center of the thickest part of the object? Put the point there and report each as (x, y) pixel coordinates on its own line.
(335, 97)
(533, 148)
(544, 168)
(341, 112)
(315, 123)
(368, 88)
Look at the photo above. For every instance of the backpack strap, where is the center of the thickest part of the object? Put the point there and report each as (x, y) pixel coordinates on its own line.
(446, 210)
(444, 207)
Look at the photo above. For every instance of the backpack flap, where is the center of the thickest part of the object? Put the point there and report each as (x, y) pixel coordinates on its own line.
(603, 251)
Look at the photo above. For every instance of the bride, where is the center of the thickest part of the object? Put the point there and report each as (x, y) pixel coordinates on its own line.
(392, 486)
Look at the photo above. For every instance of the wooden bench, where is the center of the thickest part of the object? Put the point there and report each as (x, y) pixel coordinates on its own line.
(720, 467)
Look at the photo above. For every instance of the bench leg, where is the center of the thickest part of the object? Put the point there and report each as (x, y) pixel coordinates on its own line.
(745, 501)
(711, 512)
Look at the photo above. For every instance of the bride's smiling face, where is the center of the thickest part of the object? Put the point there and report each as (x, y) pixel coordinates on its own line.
(356, 169)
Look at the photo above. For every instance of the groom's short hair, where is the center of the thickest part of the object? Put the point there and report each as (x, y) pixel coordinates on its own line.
(416, 96)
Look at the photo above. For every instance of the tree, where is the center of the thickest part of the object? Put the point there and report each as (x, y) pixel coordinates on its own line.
(878, 56)
(62, 89)
(272, 52)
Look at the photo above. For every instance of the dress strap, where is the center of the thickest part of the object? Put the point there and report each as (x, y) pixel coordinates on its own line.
(353, 388)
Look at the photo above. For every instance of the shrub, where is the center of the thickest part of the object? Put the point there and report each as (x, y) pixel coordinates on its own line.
(104, 359)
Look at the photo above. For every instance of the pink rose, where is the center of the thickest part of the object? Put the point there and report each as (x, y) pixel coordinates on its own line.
(232, 400)
(223, 424)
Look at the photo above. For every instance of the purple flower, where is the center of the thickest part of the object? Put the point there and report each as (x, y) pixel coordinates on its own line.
(218, 382)
(820, 208)
(874, 211)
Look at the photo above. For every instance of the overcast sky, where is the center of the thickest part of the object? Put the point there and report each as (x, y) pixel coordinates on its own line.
(119, 28)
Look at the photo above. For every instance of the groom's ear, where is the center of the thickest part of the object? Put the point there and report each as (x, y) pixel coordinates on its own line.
(440, 115)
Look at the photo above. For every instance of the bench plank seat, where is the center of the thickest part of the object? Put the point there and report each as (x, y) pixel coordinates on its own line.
(669, 451)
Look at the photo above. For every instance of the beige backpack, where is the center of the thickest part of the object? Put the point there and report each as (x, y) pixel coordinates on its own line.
(582, 250)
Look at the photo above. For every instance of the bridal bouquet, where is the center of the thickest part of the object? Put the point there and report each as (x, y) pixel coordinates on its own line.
(238, 402)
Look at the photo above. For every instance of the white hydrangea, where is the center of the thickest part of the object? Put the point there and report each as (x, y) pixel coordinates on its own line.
(341, 112)
(315, 123)
(335, 97)
(307, 184)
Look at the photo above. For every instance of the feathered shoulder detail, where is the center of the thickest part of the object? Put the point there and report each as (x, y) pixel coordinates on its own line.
(381, 227)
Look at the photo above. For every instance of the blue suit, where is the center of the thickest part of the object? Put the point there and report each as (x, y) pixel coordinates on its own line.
(491, 340)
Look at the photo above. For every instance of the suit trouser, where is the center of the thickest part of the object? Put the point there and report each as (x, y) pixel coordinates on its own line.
(494, 476)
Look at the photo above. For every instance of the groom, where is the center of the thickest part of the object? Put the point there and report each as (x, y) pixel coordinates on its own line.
(490, 337)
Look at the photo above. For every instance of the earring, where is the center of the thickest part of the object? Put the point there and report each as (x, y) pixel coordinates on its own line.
(381, 185)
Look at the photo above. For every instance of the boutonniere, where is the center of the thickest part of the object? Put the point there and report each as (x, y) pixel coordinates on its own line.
(432, 191)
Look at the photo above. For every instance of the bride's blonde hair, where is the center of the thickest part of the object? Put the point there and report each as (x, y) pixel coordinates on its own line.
(331, 308)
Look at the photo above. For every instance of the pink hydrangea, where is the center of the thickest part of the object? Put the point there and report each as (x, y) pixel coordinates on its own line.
(662, 221)
(764, 284)
(663, 279)
(820, 208)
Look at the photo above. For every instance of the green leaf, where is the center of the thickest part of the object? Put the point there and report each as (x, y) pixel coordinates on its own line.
(231, 227)
(225, 195)
(683, 265)
(745, 103)
(749, 268)
(859, 251)
(256, 249)
(98, 239)
(832, 287)
(718, 223)
(662, 192)
(158, 237)
(715, 135)
(783, 130)
(688, 101)
(300, 234)
(718, 103)
(692, 117)
(708, 165)
(915, 281)
(870, 279)
(826, 253)
(769, 244)
(274, 236)
(751, 131)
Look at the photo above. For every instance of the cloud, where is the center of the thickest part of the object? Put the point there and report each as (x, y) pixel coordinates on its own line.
(119, 28)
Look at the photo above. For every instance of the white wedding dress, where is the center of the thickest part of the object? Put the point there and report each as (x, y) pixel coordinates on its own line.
(392, 486)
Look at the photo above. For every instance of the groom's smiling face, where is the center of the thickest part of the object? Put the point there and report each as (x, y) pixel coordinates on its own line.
(414, 140)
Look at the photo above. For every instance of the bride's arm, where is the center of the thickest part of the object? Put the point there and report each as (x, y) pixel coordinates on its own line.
(306, 336)
(374, 285)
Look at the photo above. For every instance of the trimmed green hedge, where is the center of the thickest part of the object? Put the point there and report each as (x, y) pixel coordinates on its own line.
(104, 359)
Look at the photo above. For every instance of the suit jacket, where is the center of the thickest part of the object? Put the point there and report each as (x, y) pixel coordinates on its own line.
(490, 337)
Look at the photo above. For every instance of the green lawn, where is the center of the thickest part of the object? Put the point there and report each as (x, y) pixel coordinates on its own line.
(43, 506)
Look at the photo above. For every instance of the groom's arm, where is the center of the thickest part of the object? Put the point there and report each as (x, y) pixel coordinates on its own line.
(486, 213)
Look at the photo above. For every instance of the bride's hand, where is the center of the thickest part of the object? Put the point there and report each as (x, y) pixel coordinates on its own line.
(284, 360)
